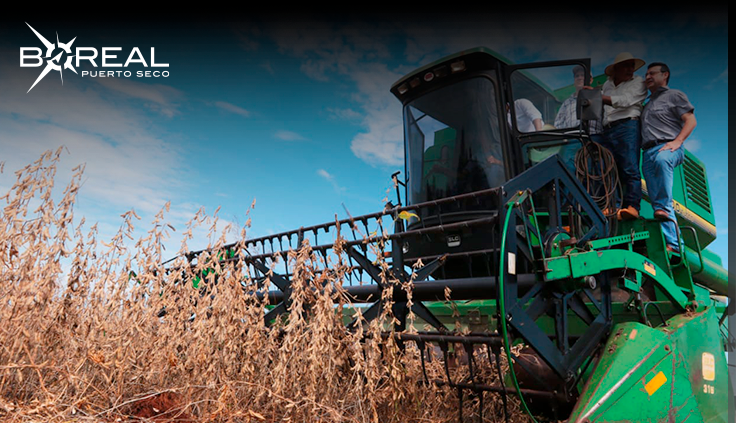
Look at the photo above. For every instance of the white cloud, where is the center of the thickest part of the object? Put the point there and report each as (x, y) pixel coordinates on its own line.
(331, 179)
(330, 50)
(722, 78)
(359, 52)
(157, 97)
(693, 144)
(323, 173)
(284, 135)
(717, 175)
(344, 114)
(247, 37)
(268, 67)
(129, 162)
(232, 108)
(719, 81)
(382, 143)
(356, 52)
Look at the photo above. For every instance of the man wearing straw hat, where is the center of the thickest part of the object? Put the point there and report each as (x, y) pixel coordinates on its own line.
(623, 94)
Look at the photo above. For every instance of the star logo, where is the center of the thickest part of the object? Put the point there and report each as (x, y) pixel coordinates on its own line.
(54, 57)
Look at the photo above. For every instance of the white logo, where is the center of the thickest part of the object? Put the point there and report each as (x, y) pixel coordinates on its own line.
(52, 62)
(59, 56)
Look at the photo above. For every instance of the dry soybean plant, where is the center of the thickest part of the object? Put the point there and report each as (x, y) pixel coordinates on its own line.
(94, 330)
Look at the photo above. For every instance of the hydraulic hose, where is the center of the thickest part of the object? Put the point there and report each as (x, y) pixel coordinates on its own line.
(502, 308)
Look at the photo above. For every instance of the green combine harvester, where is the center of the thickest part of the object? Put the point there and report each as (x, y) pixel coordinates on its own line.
(614, 327)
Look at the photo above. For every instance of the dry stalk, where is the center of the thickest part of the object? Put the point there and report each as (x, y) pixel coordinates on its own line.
(89, 343)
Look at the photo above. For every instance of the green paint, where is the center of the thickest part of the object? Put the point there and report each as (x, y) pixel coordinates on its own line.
(626, 384)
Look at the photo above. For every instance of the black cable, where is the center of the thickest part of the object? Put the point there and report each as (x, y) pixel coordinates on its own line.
(596, 170)
(659, 310)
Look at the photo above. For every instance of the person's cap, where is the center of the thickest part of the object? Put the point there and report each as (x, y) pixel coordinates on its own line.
(622, 57)
(577, 69)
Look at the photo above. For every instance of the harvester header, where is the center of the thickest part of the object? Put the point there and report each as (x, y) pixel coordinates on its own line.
(506, 223)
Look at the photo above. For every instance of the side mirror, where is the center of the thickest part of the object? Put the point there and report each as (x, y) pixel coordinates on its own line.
(590, 105)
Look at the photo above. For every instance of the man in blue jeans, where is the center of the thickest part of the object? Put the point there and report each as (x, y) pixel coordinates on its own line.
(623, 94)
(667, 120)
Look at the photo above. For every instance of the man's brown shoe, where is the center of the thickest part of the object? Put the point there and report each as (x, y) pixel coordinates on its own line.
(661, 215)
(674, 254)
(628, 213)
(608, 212)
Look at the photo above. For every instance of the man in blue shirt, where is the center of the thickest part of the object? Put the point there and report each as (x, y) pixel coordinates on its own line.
(667, 120)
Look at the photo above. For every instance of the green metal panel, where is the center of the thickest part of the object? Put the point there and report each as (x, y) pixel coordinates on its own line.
(676, 372)
(706, 267)
(594, 262)
(709, 271)
(695, 189)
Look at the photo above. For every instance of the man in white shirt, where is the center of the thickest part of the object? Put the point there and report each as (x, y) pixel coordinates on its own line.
(623, 94)
(528, 117)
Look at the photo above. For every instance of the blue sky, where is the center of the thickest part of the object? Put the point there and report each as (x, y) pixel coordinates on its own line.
(296, 112)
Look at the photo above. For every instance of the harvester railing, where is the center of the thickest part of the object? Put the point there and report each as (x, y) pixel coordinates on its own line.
(368, 234)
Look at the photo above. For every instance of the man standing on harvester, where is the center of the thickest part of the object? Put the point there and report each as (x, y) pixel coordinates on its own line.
(667, 120)
(623, 94)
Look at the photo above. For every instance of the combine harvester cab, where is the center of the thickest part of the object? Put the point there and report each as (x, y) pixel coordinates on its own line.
(601, 323)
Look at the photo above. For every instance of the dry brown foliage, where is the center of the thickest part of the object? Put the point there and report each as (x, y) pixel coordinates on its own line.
(81, 340)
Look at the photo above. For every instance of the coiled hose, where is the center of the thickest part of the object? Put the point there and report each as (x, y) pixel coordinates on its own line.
(596, 169)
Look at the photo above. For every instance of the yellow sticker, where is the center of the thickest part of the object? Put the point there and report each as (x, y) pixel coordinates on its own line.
(709, 367)
(649, 267)
(657, 381)
(408, 215)
(632, 335)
